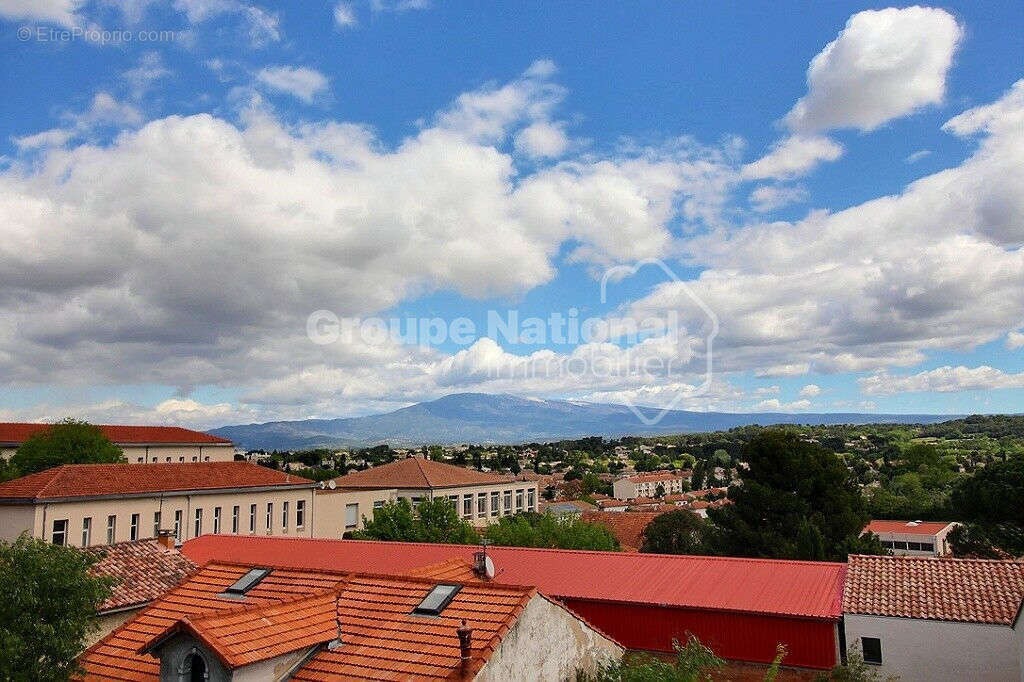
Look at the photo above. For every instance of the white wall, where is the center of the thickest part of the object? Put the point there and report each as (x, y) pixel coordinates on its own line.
(919, 650)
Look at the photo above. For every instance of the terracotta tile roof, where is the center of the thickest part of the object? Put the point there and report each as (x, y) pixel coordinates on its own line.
(643, 500)
(294, 609)
(416, 472)
(143, 569)
(929, 528)
(606, 504)
(94, 480)
(627, 527)
(656, 476)
(964, 590)
(122, 435)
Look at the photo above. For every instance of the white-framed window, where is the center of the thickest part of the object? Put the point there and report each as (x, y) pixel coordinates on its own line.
(508, 502)
(377, 504)
(495, 503)
(86, 531)
(270, 517)
(351, 516)
(300, 513)
(531, 499)
(467, 505)
(111, 529)
(252, 518)
(198, 523)
(415, 501)
(234, 519)
(133, 527)
(60, 532)
(156, 524)
(284, 516)
(519, 500)
(177, 525)
(216, 520)
(481, 504)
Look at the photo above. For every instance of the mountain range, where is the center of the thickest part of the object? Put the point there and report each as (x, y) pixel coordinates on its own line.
(508, 419)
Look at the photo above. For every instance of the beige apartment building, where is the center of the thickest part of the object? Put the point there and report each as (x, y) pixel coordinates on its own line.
(85, 505)
(140, 444)
(913, 538)
(646, 485)
(480, 498)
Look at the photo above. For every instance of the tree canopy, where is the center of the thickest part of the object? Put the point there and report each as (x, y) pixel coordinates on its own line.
(66, 442)
(433, 520)
(676, 532)
(530, 529)
(49, 603)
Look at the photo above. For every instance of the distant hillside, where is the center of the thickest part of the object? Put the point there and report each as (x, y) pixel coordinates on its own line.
(499, 419)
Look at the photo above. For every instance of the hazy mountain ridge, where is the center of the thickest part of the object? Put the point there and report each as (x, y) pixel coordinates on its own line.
(501, 419)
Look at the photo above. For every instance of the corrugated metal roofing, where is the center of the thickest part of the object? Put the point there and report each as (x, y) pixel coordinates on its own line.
(806, 589)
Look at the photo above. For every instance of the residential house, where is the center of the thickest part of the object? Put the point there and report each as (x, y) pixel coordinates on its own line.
(913, 538)
(140, 444)
(83, 505)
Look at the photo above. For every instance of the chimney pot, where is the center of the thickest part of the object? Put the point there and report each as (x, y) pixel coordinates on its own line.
(165, 538)
(465, 634)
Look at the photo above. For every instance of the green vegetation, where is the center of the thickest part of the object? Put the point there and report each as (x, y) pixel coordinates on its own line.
(694, 662)
(66, 442)
(47, 612)
(433, 520)
(676, 532)
(529, 529)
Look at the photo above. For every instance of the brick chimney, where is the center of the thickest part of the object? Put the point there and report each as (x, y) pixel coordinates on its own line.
(166, 539)
(465, 634)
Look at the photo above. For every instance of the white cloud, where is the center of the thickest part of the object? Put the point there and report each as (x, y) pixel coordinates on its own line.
(945, 379)
(104, 111)
(793, 156)
(793, 370)
(301, 82)
(541, 139)
(770, 197)
(776, 405)
(398, 5)
(262, 27)
(1001, 117)
(345, 15)
(1015, 340)
(884, 64)
(55, 137)
(62, 12)
(149, 69)
(810, 391)
(917, 156)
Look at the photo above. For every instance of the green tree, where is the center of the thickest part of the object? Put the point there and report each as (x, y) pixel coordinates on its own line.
(49, 605)
(694, 662)
(433, 520)
(529, 529)
(676, 532)
(787, 481)
(66, 442)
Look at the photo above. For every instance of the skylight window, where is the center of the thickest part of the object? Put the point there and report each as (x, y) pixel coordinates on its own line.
(248, 581)
(436, 600)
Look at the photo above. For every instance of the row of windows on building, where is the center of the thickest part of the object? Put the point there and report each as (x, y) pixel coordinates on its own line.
(61, 531)
(913, 546)
(525, 500)
(195, 458)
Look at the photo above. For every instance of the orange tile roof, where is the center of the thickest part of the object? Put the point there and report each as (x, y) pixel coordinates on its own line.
(416, 472)
(98, 480)
(605, 504)
(929, 528)
(290, 610)
(143, 570)
(655, 477)
(963, 590)
(122, 435)
(627, 527)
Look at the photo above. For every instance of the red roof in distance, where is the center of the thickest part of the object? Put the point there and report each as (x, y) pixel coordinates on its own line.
(928, 528)
(98, 480)
(417, 473)
(121, 435)
(809, 589)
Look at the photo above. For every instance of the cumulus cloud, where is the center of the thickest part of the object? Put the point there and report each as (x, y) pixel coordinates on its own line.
(61, 12)
(1015, 340)
(776, 405)
(945, 379)
(262, 27)
(884, 64)
(299, 81)
(794, 156)
(770, 197)
(810, 391)
(541, 139)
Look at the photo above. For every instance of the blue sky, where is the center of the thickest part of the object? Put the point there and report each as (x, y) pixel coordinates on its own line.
(840, 183)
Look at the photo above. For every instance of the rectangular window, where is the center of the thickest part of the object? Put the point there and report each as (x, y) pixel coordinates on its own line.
(519, 500)
(198, 523)
(181, 459)
(111, 529)
(914, 546)
(531, 499)
(195, 459)
(508, 501)
(284, 516)
(454, 499)
(252, 518)
(168, 459)
(133, 527)
(481, 504)
(467, 505)
(300, 513)
(234, 519)
(60, 532)
(378, 504)
(216, 520)
(495, 503)
(927, 547)
(899, 545)
(270, 517)
(872, 650)
(177, 525)
(86, 531)
(156, 524)
(140, 460)
(351, 516)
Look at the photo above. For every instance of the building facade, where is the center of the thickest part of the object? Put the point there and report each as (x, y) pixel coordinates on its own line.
(647, 485)
(85, 505)
(913, 538)
(140, 444)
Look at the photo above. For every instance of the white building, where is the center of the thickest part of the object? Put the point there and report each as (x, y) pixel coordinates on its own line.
(140, 444)
(646, 485)
(913, 538)
(926, 619)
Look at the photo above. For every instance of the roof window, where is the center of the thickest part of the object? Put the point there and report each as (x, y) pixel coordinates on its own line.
(436, 600)
(248, 581)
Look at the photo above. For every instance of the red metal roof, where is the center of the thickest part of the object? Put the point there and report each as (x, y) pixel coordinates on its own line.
(763, 586)
(929, 528)
(93, 480)
(121, 435)
(416, 472)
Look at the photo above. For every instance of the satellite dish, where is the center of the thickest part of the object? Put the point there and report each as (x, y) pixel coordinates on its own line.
(332, 484)
(322, 485)
(488, 568)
